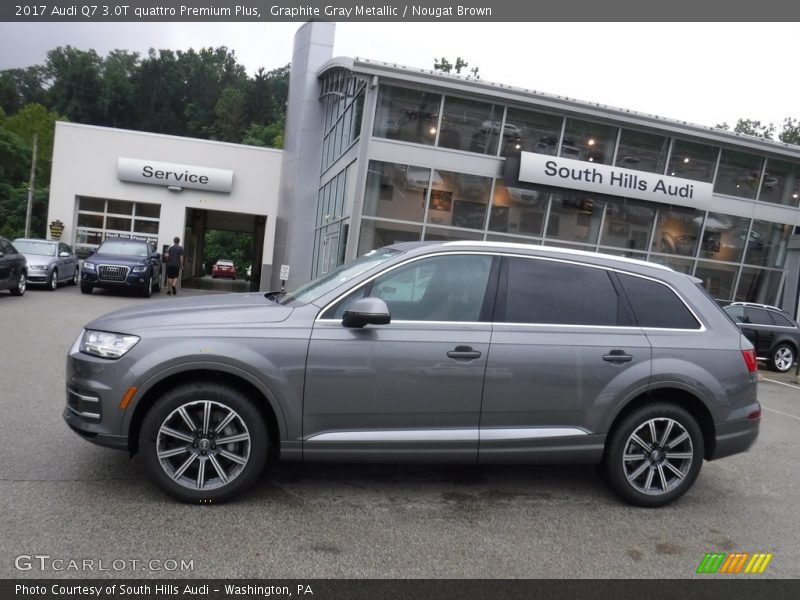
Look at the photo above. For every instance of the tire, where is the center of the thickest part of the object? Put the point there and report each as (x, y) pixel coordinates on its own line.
(86, 288)
(76, 276)
(22, 284)
(205, 472)
(782, 358)
(52, 282)
(641, 472)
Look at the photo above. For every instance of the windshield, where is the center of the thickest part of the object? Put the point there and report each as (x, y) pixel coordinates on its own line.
(314, 289)
(123, 248)
(41, 248)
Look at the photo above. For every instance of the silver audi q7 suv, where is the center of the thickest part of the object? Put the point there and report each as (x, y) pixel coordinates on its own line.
(464, 352)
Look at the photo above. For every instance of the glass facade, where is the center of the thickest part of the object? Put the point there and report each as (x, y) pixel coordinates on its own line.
(99, 218)
(736, 257)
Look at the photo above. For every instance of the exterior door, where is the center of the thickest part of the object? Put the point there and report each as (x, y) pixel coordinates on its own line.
(762, 327)
(412, 385)
(66, 264)
(558, 359)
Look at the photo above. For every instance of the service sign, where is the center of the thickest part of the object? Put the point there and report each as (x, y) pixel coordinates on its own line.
(615, 181)
(164, 174)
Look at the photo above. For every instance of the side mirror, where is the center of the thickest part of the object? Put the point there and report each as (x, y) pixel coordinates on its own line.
(155, 256)
(2, 254)
(366, 311)
(64, 255)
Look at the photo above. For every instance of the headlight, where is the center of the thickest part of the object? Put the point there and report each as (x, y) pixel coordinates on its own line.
(88, 266)
(106, 345)
(140, 269)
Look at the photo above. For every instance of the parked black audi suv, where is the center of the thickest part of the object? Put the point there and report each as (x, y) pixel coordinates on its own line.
(123, 264)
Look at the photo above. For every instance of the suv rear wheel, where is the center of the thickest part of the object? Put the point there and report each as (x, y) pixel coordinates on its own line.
(203, 442)
(781, 358)
(654, 455)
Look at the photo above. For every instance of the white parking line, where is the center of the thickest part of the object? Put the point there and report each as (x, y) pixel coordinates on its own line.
(795, 417)
(781, 383)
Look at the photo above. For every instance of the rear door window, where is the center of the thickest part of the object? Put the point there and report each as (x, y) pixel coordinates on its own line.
(551, 292)
(656, 305)
(758, 316)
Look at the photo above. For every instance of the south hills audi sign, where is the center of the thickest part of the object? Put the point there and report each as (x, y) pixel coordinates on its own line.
(174, 175)
(616, 181)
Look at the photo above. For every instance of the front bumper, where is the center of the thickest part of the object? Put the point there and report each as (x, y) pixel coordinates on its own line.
(132, 280)
(38, 276)
(94, 389)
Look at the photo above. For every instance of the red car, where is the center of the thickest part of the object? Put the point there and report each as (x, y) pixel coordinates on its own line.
(223, 268)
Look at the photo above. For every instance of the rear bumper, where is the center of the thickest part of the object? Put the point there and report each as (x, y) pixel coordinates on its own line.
(733, 438)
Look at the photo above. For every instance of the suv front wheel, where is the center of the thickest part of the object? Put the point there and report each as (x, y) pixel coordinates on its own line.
(203, 442)
(654, 455)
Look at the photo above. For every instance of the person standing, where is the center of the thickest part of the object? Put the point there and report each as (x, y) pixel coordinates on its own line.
(174, 266)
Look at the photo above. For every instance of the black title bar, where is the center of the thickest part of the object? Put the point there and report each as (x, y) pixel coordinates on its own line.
(423, 11)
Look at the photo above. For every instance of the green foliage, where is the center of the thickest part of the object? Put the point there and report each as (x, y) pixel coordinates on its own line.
(790, 134)
(267, 136)
(445, 66)
(234, 246)
(197, 93)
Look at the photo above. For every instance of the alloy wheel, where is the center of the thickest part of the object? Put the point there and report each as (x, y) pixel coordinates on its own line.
(658, 456)
(203, 445)
(783, 358)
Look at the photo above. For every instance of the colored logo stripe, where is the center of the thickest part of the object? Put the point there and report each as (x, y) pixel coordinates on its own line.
(711, 562)
(721, 562)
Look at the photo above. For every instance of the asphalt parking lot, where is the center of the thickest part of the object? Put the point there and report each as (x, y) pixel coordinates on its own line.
(67, 499)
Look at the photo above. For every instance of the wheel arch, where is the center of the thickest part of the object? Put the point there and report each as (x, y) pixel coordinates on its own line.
(687, 400)
(263, 401)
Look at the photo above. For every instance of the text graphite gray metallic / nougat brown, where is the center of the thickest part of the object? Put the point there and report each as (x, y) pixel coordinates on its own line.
(470, 352)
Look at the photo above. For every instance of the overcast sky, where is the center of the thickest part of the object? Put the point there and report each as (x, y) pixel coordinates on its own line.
(703, 73)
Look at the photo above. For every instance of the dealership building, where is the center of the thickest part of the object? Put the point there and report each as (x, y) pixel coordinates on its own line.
(377, 153)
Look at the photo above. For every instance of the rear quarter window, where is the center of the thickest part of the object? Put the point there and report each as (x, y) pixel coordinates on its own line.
(656, 305)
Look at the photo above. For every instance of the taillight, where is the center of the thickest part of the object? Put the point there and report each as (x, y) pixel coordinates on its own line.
(750, 360)
(754, 415)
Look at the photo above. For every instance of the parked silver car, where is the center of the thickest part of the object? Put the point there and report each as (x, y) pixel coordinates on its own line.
(466, 352)
(49, 262)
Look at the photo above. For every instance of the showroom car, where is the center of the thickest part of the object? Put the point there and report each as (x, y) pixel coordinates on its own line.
(123, 264)
(773, 332)
(13, 269)
(49, 262)
(223, 268)
(449, 352)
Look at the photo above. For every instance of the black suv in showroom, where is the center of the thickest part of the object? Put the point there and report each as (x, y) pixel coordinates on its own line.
(774, 333)
(123, 264)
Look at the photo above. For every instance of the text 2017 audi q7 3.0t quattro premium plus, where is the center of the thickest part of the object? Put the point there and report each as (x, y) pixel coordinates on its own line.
(464, 352)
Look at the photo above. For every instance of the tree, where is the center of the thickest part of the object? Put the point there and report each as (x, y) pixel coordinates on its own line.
(119, 89)
(445, 66)
(229, 111)
(36, 119)
(76, 85)
(791, 132)
(267, 136)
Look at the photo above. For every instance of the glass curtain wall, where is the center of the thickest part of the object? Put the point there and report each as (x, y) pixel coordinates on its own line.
(737, 258)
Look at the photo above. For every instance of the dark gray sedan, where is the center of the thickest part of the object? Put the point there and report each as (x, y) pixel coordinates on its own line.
(49, 262)
(464, 352)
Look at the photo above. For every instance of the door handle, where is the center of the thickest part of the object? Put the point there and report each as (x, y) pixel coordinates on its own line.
(464, 353)
(617, 356)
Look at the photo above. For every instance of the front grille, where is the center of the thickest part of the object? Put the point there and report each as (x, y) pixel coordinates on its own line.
(112, 273)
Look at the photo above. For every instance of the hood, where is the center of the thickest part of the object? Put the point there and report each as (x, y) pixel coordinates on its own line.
(38, 259)
(210, 310)
(111, 259)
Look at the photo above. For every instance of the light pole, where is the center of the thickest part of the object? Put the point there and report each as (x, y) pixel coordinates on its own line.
(30, 188)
